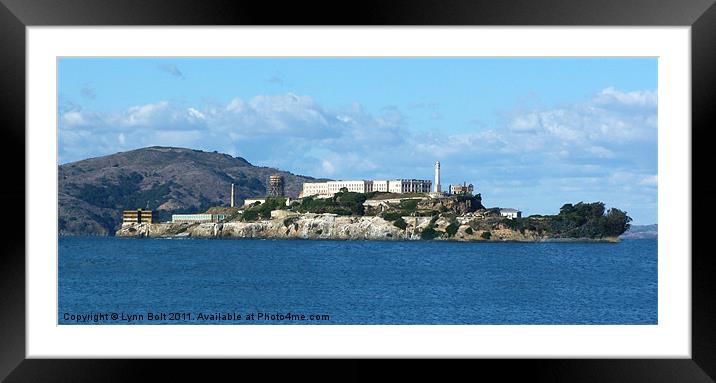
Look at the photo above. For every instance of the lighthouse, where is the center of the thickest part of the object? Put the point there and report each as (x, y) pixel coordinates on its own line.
(437, 176)
(232, 195)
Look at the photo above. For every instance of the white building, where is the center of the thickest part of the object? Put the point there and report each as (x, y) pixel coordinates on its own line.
(510, 213)
(197, 218)
(366, 186)
(410, 186)
(314, 188)
(330, 188)
(362, 186)
(380, 186)
(462, 189)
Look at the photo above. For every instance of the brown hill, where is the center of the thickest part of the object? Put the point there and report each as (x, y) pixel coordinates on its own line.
(93, 192)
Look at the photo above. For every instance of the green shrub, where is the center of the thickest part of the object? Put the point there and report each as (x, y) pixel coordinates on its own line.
(486, 235)
(264, 210)
(451, 229)
(250, 215)
(409, 204)
(468, 231)
(339, 211)
(428, 233)
(391, 215)
(400, 223)
(342, 203)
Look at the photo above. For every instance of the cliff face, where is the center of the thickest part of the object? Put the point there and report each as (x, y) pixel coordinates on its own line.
(331, 226)
(305, 226)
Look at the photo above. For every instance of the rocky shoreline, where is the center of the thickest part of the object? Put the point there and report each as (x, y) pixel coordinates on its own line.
(288, 225)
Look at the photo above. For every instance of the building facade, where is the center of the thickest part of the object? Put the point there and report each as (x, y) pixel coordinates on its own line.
(197, 218)
(511, 213)
(410, 186)
(462, 189)
(314, 188)
(138, 216)
(361, 186)
(380, 186)
(330, 188)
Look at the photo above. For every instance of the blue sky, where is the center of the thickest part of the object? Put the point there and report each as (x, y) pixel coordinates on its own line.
(529, 133)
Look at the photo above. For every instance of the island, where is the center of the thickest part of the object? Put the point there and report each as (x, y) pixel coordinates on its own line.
(179, 192)
(390, 216)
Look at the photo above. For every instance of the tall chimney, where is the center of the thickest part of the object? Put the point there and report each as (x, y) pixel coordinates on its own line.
(232, 195)
(437, 176)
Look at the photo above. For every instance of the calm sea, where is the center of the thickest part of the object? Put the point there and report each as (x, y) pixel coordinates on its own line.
(107, 280)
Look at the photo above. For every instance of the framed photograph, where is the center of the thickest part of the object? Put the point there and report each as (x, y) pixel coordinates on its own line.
(499, 182)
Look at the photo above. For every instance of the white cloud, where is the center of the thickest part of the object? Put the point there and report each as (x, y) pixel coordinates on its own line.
(600, 152)
(235, 105)
(328, 167)
(262, 129)
(73, 118)
(193, 113)
(594, 130)
(649, 180)
(637, 98)
(145, 115)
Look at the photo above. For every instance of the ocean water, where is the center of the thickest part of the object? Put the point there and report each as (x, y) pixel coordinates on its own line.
(107, 280)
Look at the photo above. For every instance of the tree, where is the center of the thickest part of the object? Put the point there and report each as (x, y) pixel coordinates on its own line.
(617, 222)
(566, 209)
(597, 209)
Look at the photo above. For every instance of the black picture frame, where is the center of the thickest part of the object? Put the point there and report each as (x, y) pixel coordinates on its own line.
(16, 15)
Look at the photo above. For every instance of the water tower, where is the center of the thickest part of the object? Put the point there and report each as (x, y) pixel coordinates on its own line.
(276, 186)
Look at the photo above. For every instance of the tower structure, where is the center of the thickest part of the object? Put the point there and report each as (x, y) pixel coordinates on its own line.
(276, 186)
(232, 195)
(437, 176)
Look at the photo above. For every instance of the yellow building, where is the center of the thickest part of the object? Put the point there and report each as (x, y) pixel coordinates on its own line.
(138, 216)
